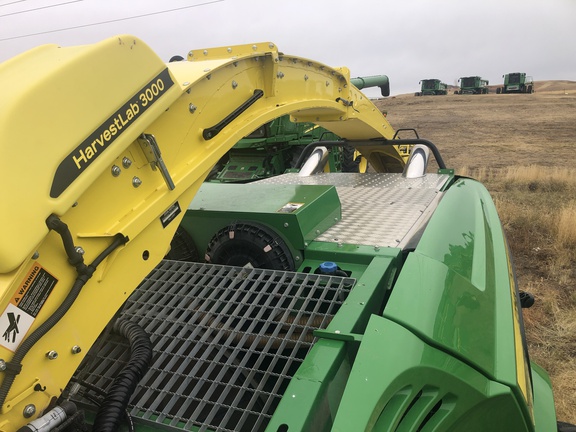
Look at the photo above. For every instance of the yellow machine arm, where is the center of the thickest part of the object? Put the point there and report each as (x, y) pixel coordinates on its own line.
(102, 149)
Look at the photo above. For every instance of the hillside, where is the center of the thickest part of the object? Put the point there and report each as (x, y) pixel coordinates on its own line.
(494, 130)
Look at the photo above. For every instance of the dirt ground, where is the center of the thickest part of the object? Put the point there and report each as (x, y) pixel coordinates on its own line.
(494, 130)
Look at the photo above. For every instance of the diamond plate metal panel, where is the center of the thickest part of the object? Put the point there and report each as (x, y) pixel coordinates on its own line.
(377, 209)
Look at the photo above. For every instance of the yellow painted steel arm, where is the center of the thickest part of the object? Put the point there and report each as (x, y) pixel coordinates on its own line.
(113, 142)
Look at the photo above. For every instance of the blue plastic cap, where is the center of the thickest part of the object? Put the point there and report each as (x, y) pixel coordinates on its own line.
(328, 267)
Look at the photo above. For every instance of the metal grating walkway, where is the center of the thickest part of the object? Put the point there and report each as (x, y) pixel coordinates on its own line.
(226, 342)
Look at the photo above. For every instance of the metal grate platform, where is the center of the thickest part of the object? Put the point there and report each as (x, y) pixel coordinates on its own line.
(369, 199)
(227, 341)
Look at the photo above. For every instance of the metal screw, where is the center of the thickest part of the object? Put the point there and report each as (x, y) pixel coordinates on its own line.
(280, 75)
(305, 77)
(229, 50)
(116, 170)
(52, 355)
(271, 45)
(192, 108)
(254, 47)
(286, 225)
(29, 411)
(76, 349)
(79, 250)
(136, 182)
(2, 365)
(205, 52)
(234, 84)
(297, 258)
(36, 255)
(126, 163)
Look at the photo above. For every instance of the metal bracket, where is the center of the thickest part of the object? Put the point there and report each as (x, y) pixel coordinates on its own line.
(152, 152)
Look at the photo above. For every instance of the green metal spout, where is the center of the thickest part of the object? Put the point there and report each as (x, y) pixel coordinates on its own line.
(373, 81)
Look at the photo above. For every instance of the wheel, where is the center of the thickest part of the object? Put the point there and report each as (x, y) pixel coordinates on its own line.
(251, 243)
(498, 90)
(565, 427)
(350, 163)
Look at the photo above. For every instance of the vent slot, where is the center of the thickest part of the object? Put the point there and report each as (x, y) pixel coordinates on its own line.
(412, 409)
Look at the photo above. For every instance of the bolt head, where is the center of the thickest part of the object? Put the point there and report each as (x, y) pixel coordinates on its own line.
(29, 411)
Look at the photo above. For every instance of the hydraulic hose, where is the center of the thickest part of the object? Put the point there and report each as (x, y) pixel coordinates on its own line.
(113, 407)
(85, 272)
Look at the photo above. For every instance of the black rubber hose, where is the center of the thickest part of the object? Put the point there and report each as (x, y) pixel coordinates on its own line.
(113, 407)
(14, 366)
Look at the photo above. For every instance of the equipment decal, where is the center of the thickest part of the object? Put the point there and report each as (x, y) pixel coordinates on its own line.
(25, 305)
(83, 155)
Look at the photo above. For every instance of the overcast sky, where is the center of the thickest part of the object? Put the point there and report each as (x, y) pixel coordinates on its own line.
(408, 40)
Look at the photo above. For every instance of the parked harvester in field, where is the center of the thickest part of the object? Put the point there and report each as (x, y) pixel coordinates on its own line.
(432, 87)
(472, 85)
(516, 82)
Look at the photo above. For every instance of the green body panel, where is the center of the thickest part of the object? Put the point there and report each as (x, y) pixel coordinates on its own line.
(459, 275)
(544, 414)
(313, 395)
(399, 382)
(297, 213)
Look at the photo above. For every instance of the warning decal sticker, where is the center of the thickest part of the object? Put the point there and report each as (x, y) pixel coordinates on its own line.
(25, 305)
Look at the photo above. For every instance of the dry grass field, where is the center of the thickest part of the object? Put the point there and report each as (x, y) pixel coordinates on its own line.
(523, 148)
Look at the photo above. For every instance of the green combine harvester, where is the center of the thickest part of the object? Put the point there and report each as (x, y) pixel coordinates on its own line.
(274, 148)
(472, 85)
(306, 301)
(517, 82)
(432, 87)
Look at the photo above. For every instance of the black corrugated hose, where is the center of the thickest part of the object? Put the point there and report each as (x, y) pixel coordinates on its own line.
(13, 368)
(113, 407)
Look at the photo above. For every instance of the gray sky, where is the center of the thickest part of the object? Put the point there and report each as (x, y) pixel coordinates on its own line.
(408, 40)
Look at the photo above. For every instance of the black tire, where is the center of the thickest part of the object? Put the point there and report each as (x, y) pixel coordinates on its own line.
(251, 243)
(182, 247)
(349, 164)
(566, 427)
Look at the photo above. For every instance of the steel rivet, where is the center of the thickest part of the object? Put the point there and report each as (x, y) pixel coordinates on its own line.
(192, 108)
(52, 355)
(116, 170)
(36, 255)
(76, 349)
(136, 182)
(234, 84)
(2, 365)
